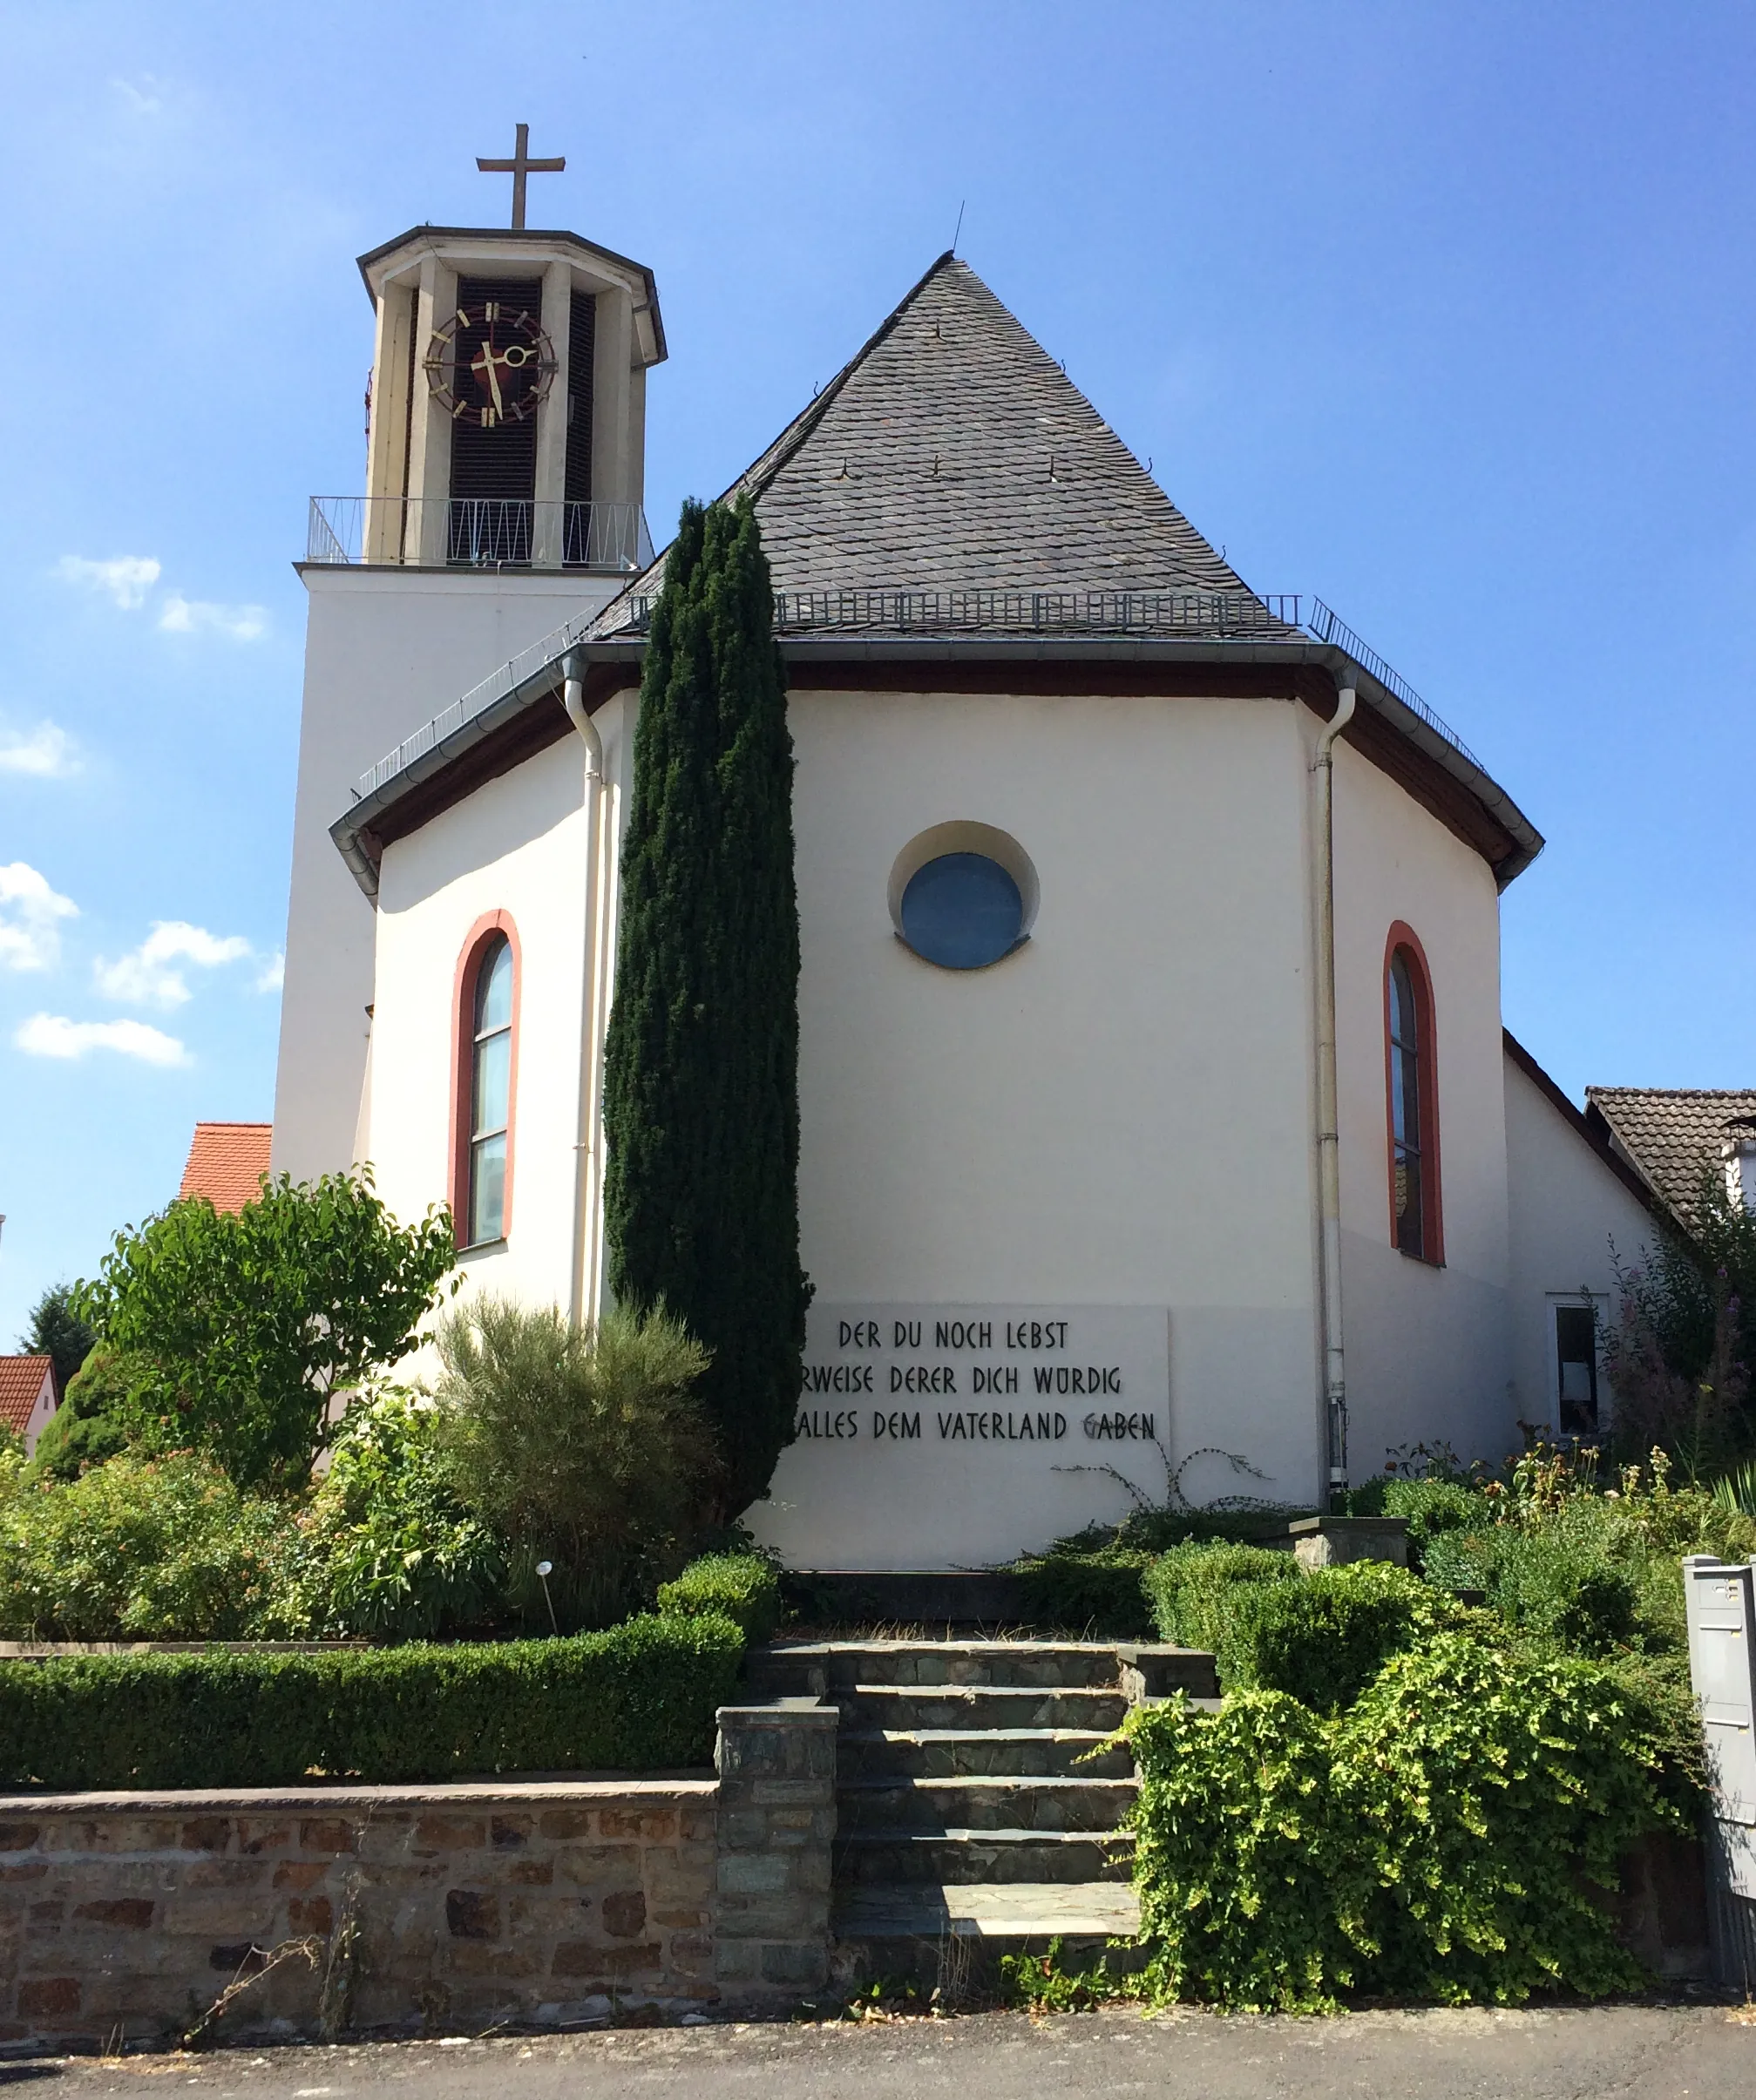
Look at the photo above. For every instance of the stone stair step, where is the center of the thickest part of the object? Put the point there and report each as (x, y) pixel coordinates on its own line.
(969, 1708)
(984, 1802)
(962, 1857)
(839, 1663)
(987, 1910)
(950, 1753)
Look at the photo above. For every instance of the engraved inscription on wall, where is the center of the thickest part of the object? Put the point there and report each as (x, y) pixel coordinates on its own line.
(1069, 1377)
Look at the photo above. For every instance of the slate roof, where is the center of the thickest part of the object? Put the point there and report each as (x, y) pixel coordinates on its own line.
(226, 1163)
(953, 454)
(21, 1387)
(1674, 1135)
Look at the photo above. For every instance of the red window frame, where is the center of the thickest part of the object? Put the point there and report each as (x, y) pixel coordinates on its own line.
(1403, 939)
(480, 940)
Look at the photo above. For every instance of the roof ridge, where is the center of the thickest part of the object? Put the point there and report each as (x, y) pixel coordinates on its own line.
(1674, 1093)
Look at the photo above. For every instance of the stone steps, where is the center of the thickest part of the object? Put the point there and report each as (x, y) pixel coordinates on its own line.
(981, 1804)
(966, 1856)
(951, 1935)
(973, 1709)
(950, 1753)
(987, 1801)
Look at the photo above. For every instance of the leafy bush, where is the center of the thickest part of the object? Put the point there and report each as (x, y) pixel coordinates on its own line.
(252, 1320)
(1324, 1638)
(583, 1446)
(639, 1698)
(91, 1423)
(1453, 1836)
(1429, 1506)
(387, 1548)
(1190, 1586)
(141, 1550)
(1084, 1585)
(1558, 1579)
(742, 1587)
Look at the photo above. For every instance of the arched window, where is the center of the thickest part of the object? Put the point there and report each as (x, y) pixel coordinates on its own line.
(487, 1029)
(1412, 1099)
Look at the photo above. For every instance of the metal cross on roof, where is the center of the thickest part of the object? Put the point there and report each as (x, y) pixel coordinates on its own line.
(517, 167)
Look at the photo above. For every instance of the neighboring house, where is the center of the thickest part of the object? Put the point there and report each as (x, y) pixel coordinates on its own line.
(1674, 1137)
(27, 1395)
(226, 1163)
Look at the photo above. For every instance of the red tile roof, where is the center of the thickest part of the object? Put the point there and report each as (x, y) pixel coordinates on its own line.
(226, 1163)
(21, 1379)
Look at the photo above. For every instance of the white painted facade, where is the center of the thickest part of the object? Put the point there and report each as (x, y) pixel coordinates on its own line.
(1573, 1219)
(1118, 1115)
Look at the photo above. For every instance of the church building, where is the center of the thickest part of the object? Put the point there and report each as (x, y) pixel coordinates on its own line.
(1156, 1108)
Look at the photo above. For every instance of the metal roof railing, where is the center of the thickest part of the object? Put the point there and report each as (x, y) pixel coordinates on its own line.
(1211, 615)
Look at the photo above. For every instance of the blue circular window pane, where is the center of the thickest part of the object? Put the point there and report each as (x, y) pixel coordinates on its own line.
(962, 911)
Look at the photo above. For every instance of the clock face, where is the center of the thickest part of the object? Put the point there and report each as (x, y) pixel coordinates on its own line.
(490, 365)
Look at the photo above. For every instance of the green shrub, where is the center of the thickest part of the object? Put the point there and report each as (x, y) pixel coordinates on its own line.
(1453, 1836)
(1190, 1586)
(1324, 1638)
(742, 1587)
(249, 1320)
(1096, 1590)
(639, 1698)
(584, 1446)
(139, 1549)
(386, 1547)
(90, 1426)
(1561, 1579)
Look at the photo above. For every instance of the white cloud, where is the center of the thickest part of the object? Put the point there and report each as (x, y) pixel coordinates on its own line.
(29, 915)
(126, 580)
(48, 752)
(149, 977)
(273, 974)
(145, 97)
(54, 1035)
(180, 615)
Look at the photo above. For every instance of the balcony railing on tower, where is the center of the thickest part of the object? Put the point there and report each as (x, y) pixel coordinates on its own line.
(477, 532)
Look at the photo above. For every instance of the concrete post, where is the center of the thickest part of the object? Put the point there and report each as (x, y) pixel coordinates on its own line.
(777, 1765)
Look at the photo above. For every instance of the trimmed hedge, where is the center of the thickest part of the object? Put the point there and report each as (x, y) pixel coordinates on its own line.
(1191, 1587)
(639, 1698)
(742, 1587)
(1099, 1593)
(1324, 1638)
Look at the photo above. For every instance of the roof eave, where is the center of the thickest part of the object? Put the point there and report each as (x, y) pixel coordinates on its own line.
(805, 649)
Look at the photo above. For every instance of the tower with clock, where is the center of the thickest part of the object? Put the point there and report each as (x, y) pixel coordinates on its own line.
(503, 499)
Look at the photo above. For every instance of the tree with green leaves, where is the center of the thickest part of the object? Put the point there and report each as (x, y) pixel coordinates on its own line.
(58, 1332)
(701, 1099)
(237, 1327)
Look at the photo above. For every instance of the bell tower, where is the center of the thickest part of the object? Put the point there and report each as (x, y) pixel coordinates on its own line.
(506, 460)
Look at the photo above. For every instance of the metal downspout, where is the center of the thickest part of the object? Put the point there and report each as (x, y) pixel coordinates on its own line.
(587, 1147)
(1328, 1115)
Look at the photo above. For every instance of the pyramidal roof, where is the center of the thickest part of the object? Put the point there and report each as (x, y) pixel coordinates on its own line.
(953, 453)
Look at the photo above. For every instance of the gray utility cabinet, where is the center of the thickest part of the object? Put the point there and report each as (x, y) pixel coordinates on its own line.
(1722, 1667)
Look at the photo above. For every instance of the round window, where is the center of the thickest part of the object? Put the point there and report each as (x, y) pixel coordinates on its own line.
(962, 911)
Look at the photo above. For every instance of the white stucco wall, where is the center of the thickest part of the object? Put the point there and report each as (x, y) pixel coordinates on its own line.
(1567, 1210)
(519, 845)
(1118, 1115)
(386, 649)
(1426, 1346)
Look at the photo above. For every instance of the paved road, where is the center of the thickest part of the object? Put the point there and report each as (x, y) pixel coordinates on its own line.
(1617, 2053)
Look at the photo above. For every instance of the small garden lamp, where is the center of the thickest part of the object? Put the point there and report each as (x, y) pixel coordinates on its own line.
(546, 1569)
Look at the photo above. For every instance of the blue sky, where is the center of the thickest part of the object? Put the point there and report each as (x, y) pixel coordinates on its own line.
(1444, 313)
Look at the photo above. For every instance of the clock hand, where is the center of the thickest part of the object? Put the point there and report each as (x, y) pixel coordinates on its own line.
(493, 378)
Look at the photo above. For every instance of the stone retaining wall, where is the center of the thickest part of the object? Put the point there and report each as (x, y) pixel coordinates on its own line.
(446, 1908)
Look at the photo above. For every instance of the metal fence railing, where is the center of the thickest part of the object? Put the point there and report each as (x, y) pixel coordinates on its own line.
(476, 533)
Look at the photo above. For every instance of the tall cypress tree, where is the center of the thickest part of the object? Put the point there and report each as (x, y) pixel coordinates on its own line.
(700, 1095)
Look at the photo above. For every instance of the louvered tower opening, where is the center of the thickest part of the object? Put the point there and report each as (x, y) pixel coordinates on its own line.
(493, 470)
(582, 336)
